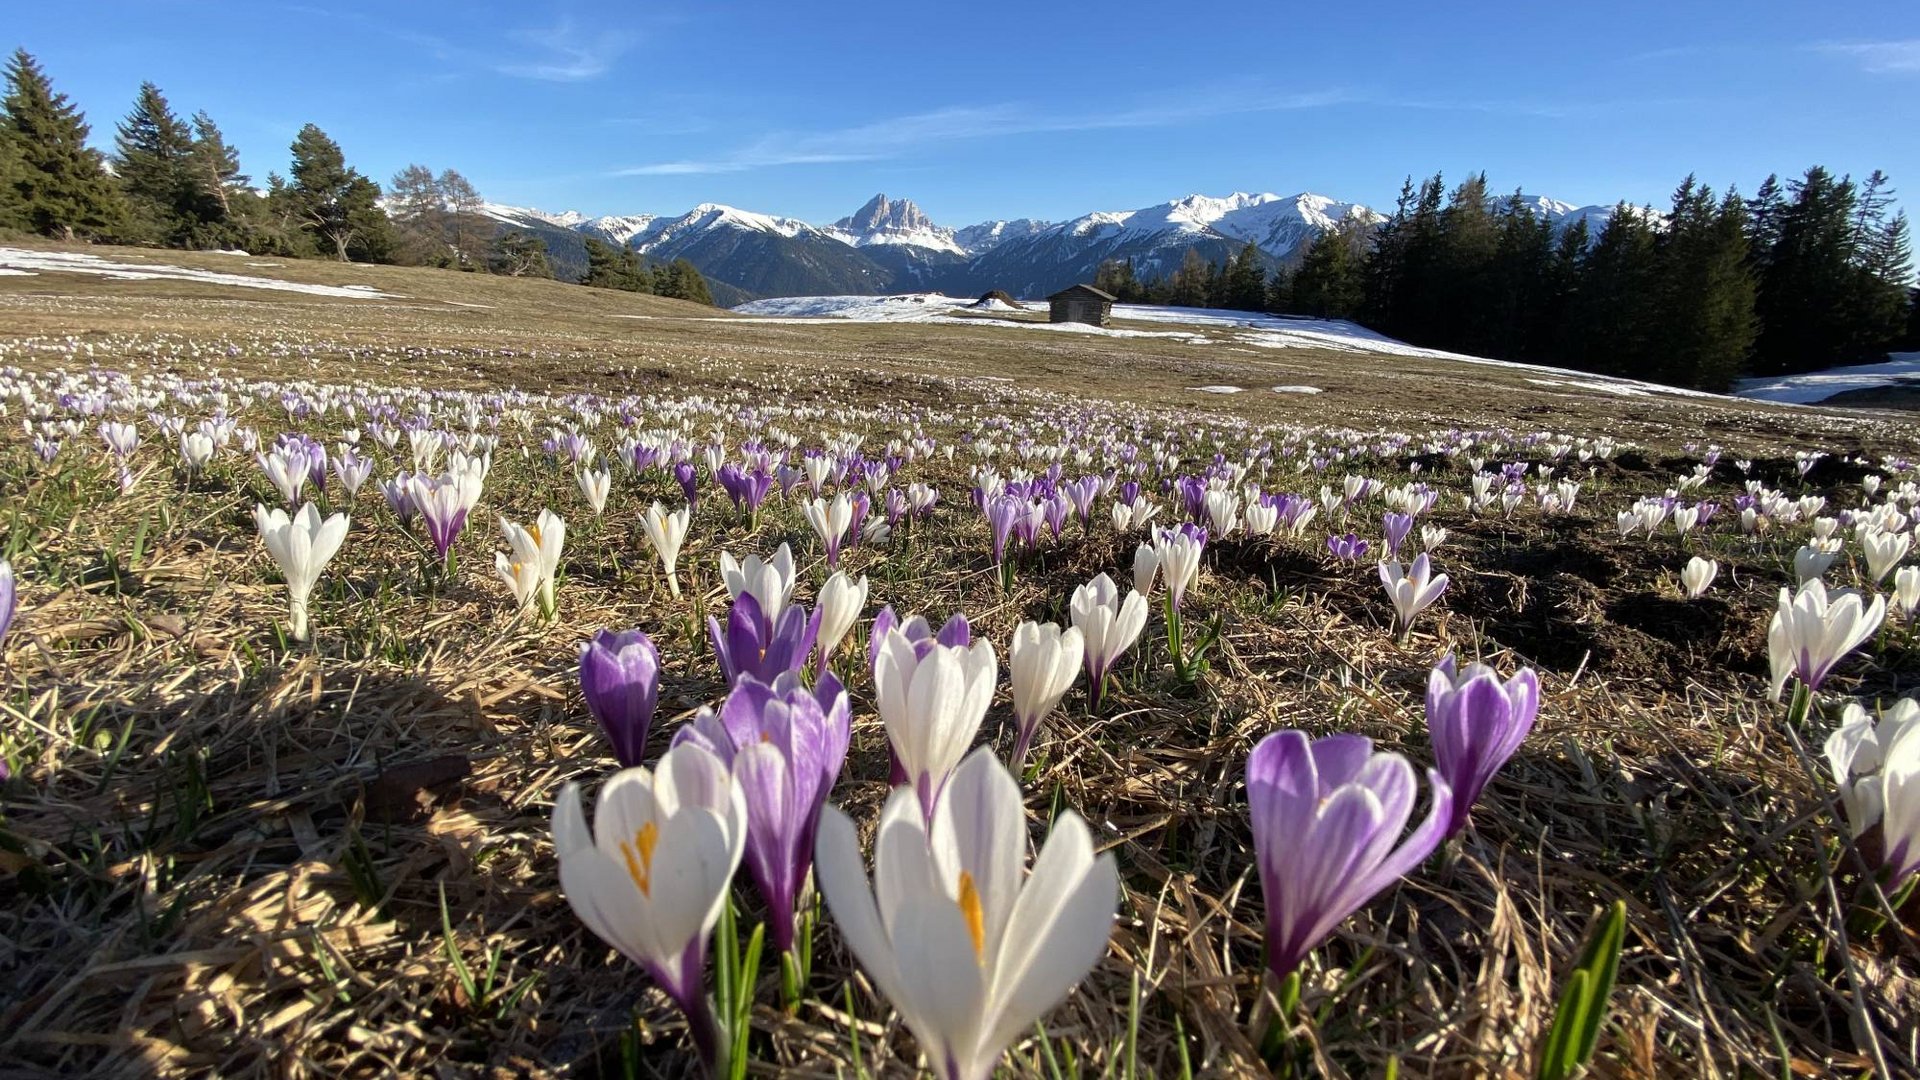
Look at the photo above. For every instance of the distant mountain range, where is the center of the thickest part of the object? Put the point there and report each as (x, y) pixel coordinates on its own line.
(890, 245)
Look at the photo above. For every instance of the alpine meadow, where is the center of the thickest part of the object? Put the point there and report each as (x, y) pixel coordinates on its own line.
(1434, 629)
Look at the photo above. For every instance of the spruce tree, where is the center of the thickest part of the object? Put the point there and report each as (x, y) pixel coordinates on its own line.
(1329, 283)
(1245, 287)
(1611, 318)
(60, 185)
(1704, 298)
(1809, 285)
(335, 203)
(153, 152)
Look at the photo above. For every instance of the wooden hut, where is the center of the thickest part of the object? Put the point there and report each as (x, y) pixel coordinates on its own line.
(1081, 304)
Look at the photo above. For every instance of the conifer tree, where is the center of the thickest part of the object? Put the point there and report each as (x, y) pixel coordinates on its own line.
(153, 152)
(1329, 283)
(335, 203)
(216, 167)
(1610, 320)
(519, 253)
(1245, 287)
(1808, 296)
(681, 281)
(60, 185)
(1188, 286)
(1703, 314)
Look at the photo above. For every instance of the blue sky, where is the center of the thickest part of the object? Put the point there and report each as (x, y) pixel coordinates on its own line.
(983, 110)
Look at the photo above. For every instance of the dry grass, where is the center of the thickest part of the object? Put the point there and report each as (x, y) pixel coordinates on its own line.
(223, 854)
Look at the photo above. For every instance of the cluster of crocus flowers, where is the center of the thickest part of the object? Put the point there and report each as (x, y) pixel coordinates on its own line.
(534, 561)
(1476, 722)
(1412, 589)
(1326, 814)
(1876, 766)
(1811, 632)
(301, 545)
(651, 877)
(970, 951)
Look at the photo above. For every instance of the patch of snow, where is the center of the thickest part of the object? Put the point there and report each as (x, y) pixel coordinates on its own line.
(78, 263)
(1218, 389)
(1899, 369)
(233, 251)
(1298, 390)
(8, 271)
(456, 303)
(920, 307)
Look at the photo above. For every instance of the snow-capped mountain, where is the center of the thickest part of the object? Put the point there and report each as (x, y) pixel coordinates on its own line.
(891, 245)
(883, 221)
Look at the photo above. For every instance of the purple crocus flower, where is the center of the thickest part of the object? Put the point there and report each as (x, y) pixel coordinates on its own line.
(785, 745)
(1002, 514)
(1348, 548)
(1325, 815)
(754, 645)
(1476, 723)
(860, 505)
(620, 678)
(895, 506)
(689, 480)
(1397, 526)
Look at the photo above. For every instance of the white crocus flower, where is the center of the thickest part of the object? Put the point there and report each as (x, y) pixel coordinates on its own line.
(1432, 536)
(650, 877)
(1412, 589)
(971, 952)
(1876, 766)
(1813, 560)
(1883, 550)
(1146, 566)
(1697, 575)
(769, 580)
(535, 560)
(841, 601)
(830, 521)
(1108, 626)
(1261, 518)
(1810, 633)
(666, 532)
(196, 450)
(1042, 663)
(1223, 511)
(1906, 590)
(595, 484)
(302, 546)
(1122, 516)
(932, 699)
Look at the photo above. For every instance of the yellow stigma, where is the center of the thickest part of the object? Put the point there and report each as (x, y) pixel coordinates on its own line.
(976, 919)
(640, 868)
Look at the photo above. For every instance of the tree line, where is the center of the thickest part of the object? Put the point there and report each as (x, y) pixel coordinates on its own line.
(176, 182)
(1807, 274)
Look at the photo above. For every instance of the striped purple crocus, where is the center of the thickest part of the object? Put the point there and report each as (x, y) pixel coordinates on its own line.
(1476, 723)
(785, 745)
(1326, 814)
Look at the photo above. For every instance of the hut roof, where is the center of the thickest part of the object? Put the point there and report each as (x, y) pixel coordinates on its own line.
(1082, 292)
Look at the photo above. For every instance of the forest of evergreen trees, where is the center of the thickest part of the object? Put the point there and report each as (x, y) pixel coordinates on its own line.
(1804, 275)
(176, 182)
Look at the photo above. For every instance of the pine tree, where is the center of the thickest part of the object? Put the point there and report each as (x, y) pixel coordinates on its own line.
(1466, 245)
(152, 159)
(60, 186)
(682, 281)
(1610, 320)
(1245, 287)
(1329, 283)
(335, 203)
(519, 253)
(1809, 284)
(219, 189)
(1519, 282)
(1188, 286)
(1704, 311)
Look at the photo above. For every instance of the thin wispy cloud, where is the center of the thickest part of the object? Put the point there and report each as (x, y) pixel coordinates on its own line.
(563, 52)
(566, 53)
(893, 136)
(1878, 57)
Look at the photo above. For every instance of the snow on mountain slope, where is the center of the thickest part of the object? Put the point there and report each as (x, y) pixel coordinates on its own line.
(618, 228)
(522, 215)
(710, 216)
(1276, 224)
(987, 235)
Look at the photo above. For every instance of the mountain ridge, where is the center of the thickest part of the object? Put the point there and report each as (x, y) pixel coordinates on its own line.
(892, 245)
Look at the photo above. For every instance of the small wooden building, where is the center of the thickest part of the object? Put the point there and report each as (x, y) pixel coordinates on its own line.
(1081, 304)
